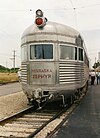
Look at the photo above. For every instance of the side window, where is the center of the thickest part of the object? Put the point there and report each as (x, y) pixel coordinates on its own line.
(75, 53)
(80, 51)
(86, 59)
(68, 52)
(23, 53)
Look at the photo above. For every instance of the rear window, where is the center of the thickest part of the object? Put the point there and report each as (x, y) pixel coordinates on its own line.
(23, 53)
(41, 51)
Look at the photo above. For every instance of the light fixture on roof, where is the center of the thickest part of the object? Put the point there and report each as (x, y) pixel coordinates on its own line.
(39, 13)
(40, 20)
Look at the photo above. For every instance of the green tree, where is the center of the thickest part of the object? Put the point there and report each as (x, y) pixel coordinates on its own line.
(96, 65)
(4, 69)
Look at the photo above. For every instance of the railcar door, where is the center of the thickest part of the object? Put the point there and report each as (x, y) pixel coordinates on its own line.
(42, 68)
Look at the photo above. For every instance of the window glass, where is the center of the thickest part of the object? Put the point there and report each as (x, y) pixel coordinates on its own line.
(24, 53)
(80, 54)
(68, 52)
(41, 51)
(86, 59)
(75, 53)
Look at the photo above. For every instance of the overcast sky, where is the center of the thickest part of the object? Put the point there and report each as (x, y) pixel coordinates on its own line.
(17, 15)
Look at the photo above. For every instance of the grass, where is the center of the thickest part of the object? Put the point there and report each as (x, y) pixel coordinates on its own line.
(8, 77)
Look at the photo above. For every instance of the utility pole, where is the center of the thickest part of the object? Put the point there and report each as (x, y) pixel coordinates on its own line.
(13, 58)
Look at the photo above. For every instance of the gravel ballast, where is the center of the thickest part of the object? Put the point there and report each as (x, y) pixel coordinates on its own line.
(12, 103)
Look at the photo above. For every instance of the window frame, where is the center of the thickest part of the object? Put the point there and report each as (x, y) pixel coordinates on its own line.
(79, 53)
(25, 59)
(40, 59)
(68, 45)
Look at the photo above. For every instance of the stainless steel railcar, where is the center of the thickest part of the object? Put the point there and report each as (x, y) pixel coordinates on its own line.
(54, 60)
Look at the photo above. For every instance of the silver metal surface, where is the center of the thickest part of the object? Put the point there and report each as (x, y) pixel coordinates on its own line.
(52, 76)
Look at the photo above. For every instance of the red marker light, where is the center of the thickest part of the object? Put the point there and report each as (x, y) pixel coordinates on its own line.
(39, 21)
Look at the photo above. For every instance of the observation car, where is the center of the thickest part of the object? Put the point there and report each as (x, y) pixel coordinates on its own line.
(54, 61)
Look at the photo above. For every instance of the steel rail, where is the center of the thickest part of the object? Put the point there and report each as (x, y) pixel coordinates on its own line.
(2, 121)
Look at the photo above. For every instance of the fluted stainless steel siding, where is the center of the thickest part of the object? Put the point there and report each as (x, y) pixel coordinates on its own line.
(24, 73)
(71, 73)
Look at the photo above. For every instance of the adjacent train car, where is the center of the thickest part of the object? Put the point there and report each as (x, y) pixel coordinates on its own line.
(54, 61)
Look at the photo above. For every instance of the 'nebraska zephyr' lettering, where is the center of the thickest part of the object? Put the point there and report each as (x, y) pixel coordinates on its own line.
(37, 76)
(41, 70)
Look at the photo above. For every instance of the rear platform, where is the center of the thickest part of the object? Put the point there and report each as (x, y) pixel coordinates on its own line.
(85, 120)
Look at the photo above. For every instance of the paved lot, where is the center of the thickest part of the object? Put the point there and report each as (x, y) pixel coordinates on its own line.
(85, 120)
(10, 88)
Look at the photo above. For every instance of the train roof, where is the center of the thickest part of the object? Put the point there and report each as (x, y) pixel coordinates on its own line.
(51, 27)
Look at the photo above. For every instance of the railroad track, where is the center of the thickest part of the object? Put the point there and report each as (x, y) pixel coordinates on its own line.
(29, 122)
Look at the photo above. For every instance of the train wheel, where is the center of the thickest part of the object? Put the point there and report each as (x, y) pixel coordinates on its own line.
(29, 101)
(35, 103)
